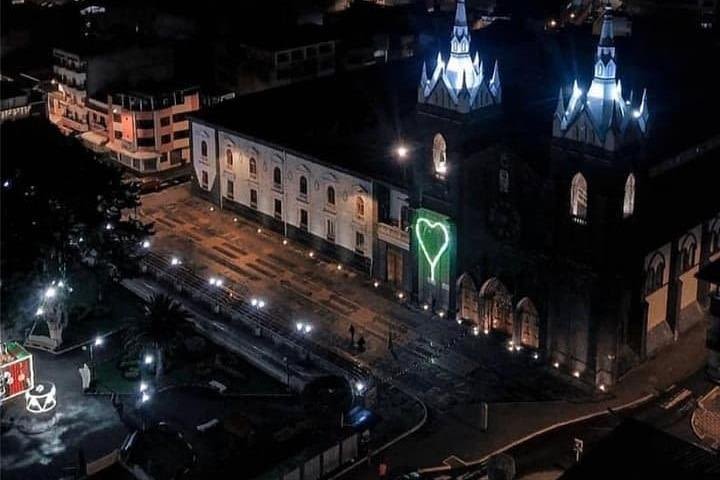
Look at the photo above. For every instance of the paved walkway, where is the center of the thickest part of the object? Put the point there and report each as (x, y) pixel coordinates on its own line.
(706, 419)
(433, 357)
(438, 360)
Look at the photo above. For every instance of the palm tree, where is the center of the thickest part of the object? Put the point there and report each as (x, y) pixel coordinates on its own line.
(159, 327)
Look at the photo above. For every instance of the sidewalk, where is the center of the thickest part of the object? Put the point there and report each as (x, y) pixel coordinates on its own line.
(509, 422)
(432, 356)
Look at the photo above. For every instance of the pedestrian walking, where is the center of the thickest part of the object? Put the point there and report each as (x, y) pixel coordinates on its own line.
(361, 343)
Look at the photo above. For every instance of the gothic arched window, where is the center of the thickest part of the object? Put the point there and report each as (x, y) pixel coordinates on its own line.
(331, 196)
(439, 154)
(277, 177)
(579, 198)
(629, 199)
(687, 253)
(229, 157)
(360, 207)
(203, 148)
(303, 185)
(655, 274)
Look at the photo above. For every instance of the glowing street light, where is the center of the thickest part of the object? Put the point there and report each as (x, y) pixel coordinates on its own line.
(146, 244)
(50, 292)
(143, 387)
(376, 284)
(175, 261)
(303, 327)
(145, 397)
(98, 341)
(39, 311)
(148, 360)
(401, 151)
(476, 330)
(108, 226)
(359, 387)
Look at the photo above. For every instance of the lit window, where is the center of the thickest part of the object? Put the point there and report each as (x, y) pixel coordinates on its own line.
(578, 199)
(440, 155)
(229, 157)
(629, 200)
(360, 207)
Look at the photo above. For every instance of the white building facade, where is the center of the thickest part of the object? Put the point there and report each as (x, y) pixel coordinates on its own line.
(329, 208)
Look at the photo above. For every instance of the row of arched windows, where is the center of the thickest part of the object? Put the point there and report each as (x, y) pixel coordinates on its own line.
(277, 180)
(579, 198)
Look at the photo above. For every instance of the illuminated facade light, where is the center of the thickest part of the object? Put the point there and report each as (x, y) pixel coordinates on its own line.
(376, 284)
(40, 311)
(576, 374)
(432, 258)
(556, 365)
(402, 151)
(175, 261)
(254, 302)
(50, 292)
(602, 387)
(145, 397)
(148, 359)
(476, 330)
(457, 84)
(299, 326)
(535, 355)
(143, 387)
(284, 242)
(426, 307)
(146, 244)
(441, 314)
(99, 341)
(259, 230)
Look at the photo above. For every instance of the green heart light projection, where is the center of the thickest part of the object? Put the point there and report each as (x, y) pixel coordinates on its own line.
(432, 248)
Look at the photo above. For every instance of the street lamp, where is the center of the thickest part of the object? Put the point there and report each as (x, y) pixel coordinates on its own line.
(303, 327)
(401, 151)
(175, 261)
(50, 292)
(146, 244)
(148, 360)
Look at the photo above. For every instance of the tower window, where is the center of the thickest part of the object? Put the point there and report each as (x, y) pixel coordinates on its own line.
(331, 196)
(229, 157)
(629, 199)
(203, 148)
(687, 253)
(578, 199)
(439, 155)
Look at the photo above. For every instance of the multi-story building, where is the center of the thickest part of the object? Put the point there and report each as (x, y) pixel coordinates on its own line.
(92, 66)
(575, 236)
(264, 61)
(147, 130)
(19, 101)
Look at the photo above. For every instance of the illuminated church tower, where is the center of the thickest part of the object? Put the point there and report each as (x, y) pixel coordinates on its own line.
(460, 83)
(602, 117)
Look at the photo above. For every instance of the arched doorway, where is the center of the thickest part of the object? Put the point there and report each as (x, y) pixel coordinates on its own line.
(527, 315)
(467, 299)
(496, 307)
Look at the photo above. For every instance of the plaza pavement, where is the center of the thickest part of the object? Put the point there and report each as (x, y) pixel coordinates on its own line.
(433, 358)
(84, 422)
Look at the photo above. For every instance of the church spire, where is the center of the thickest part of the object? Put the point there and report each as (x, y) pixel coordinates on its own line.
(460, 43)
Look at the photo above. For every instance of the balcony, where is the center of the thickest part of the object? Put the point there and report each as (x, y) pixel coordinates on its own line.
(394, 235)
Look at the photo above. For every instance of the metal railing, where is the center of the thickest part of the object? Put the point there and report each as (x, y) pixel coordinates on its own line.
(234, 301)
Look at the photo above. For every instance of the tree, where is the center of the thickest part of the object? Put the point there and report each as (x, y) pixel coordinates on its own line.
(159, 329)
(57, 200)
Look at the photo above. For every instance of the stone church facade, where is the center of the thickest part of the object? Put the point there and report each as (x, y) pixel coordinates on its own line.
(554, 247)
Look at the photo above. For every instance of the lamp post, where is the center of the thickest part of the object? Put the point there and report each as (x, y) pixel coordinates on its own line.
(91, 350)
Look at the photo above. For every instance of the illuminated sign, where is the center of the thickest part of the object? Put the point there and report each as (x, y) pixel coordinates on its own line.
(431, 249)
(41, 398)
